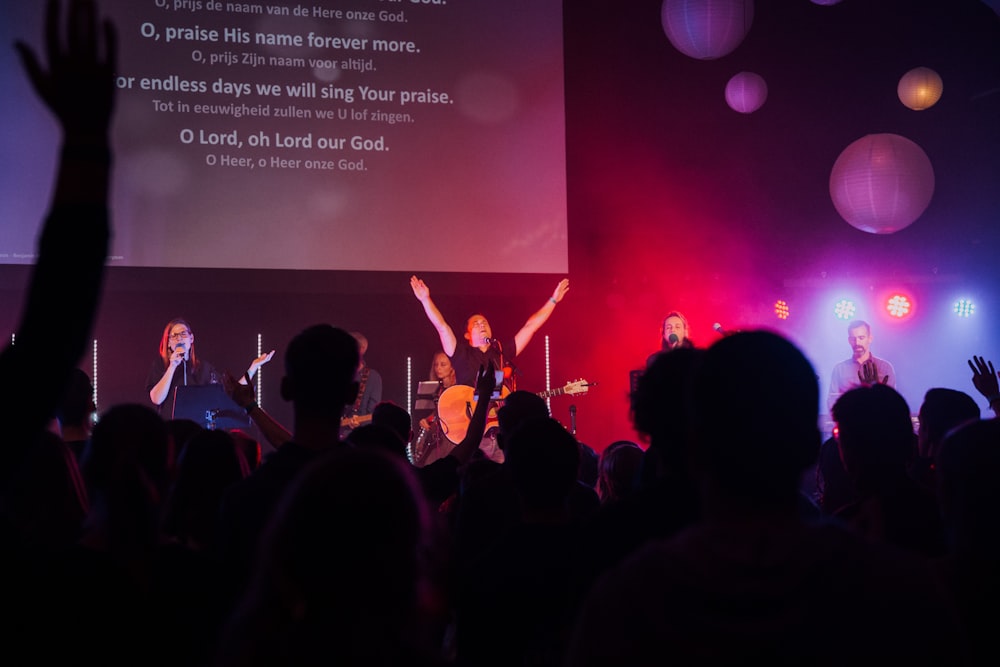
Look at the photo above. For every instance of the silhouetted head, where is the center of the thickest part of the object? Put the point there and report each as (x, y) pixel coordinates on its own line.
(755, 408)
(618, 470)
(127, 468)
(518, 407)
(543, 458)
(394, 417)
(320, 364)
(941, 411)
(968, 466)
(209, 463)
(347, 541)
(378, 436)
(659, 403)
(77, 403)
(875, 434)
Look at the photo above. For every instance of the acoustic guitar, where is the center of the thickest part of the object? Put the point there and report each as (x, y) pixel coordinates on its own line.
(457, 403)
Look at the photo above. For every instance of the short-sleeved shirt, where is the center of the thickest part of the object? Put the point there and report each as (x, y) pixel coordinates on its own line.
(467, 359)
(845, 376)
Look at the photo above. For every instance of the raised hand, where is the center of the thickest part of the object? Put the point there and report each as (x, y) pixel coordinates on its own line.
(259, 361)
(241, 393)
(486, 382)
(985, 377)
(560, 290)
(868, 375)
(420, 290)
(79, 85)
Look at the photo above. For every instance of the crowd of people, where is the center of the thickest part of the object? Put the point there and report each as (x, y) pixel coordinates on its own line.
(150, 540)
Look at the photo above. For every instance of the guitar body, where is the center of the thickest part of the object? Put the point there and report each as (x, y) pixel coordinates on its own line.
(455, 407)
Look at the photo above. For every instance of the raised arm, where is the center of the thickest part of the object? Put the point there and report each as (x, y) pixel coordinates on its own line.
(485, 384)
(63, 293)
(523, 337)
(423, 294)
(243, 395)
(986, 381)
(254, 365)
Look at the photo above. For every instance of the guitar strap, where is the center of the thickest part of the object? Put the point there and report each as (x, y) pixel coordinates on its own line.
(361, 389)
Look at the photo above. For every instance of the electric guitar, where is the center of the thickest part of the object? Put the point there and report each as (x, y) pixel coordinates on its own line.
(355, 421)
(457, 403)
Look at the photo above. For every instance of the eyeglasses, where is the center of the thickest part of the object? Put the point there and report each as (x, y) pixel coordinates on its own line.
(180, 335)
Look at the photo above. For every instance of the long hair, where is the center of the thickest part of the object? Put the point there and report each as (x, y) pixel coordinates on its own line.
(664, 345)
(433, 376)
(165, 342)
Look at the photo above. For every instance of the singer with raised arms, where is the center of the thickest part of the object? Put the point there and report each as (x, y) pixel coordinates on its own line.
(179, 365)
(481, 348)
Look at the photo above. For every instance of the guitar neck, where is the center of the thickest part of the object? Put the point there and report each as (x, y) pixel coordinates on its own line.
(349, 421)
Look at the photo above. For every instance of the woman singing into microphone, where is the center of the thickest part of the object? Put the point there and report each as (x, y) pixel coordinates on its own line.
(179, 365)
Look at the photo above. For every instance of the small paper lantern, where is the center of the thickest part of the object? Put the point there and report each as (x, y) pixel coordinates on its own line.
(882, 183)
(920, 88)
(746, 92)
(706, 29)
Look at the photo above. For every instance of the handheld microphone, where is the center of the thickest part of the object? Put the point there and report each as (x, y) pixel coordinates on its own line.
(183, 348)
(673, 340)
(718, 327)
(572, 419)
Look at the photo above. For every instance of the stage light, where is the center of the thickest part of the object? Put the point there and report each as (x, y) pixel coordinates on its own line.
(845, 309)
(781, 309)
(899, 305)
(965, 308)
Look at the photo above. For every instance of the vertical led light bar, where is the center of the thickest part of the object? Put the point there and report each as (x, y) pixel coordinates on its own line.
(260, 399)
(548, 375)
(409, 385)
(93, 375)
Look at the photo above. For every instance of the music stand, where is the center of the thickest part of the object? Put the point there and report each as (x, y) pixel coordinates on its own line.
(209, 406)
(426, 395)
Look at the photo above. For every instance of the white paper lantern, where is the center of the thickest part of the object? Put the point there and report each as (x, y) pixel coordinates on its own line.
(706, 29)
(920, 88)
(882, 183)
(746, 92)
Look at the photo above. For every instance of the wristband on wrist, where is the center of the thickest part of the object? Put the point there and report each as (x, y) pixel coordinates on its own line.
(552, 299)
(250, 408)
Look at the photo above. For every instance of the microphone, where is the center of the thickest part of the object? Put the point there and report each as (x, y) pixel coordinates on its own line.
(718, 327)
(183, 348)
(673, 340)
(572, 419)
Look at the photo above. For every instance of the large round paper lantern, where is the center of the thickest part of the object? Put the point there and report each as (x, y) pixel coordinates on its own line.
(746, 92)
(881, 183)
(920, 88)
(706, 29)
